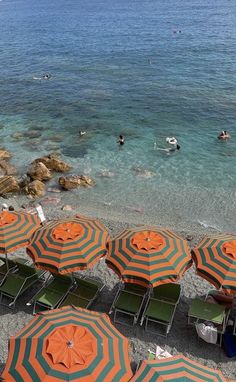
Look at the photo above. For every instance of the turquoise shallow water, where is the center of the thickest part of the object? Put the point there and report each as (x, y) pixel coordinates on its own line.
(119, 67)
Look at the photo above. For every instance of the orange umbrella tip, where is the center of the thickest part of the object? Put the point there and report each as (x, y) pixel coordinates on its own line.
(229, 248)
(7, 218)
(71, 345)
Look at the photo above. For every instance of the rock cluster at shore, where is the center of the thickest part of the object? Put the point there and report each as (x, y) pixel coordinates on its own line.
(41, 170)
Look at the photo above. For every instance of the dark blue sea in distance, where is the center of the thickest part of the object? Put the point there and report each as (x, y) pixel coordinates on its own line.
(146, 69)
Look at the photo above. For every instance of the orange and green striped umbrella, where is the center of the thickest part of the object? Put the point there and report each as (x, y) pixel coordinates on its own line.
(148, 256)
(16, 229)
(215, 259)
(68, 344)
(68, 245)
(176, 369)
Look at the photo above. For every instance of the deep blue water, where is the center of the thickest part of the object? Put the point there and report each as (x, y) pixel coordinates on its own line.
(118, 67)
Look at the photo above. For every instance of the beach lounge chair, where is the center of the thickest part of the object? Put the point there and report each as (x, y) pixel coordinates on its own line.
(52, 293)
(4, 267)
(202, 311)
(84, 293)
(128, 303)
(160, 308)
(17, 282)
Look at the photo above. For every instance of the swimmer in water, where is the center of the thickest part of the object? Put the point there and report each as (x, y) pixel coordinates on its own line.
(224, 135)
(46, 76)
(82, 133)
(121, 140)
(173, 144)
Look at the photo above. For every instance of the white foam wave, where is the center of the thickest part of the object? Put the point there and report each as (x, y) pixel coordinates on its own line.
(208, 225)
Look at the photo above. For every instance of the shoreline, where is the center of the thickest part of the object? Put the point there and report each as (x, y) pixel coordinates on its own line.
(182, 339)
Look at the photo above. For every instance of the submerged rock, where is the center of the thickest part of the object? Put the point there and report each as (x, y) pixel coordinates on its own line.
(57, 138)
(33, 134)
(75, 181)
(39, 171)
(35, 189)
(17, 136)
(8, 184)
(142, 172)
(54, 163)
(106, 174)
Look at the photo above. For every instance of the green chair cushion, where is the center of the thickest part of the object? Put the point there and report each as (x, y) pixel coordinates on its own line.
(83, 283)
(54, 291)
(58, 285)
(12, 285)
(25, 270)
(160, 310)
(62, 279)
(138, 289)
(85, 292)
(167, 292)
(72, 299)
(207, 311)
(128, 302)
(48, 297)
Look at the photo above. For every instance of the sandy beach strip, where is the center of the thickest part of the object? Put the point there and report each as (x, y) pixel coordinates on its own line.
(182, 339)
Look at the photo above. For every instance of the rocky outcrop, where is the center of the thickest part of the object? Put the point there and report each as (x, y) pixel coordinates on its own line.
(75, 181)
(23, 181)
(7, 168)
(38, 171)
(35, 189)
(54, 163)
(4, 154)
(8, 184)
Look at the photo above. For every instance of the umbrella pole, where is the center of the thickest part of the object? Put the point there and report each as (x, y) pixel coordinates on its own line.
(7, 262)
(73, 278)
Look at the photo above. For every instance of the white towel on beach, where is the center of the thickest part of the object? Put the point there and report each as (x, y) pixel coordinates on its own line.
(161, 353)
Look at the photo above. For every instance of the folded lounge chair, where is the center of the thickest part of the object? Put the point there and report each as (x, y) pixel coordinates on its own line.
(52, 293)
(17, 282)
(84, 293)
(160, 308)
(128, 303)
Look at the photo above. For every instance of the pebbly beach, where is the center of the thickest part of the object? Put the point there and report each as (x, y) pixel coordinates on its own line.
(123, 111)
(181, 339)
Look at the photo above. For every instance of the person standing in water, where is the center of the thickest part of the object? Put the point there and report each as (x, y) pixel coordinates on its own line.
(121, 140)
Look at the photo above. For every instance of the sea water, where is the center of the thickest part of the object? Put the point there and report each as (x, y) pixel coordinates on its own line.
(146, 69)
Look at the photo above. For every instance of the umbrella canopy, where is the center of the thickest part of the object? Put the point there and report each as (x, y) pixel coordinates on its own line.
(178, 368)
(215, 259)
(148, 256)
(68, 245)
(16, 229)
(68, 344)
